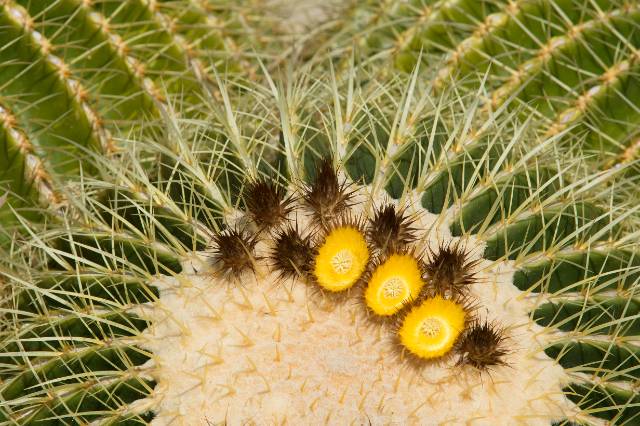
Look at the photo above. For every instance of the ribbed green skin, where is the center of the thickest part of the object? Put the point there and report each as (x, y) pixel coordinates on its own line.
(68, 320)
(66, 338)
(571, 65)
(78, 76)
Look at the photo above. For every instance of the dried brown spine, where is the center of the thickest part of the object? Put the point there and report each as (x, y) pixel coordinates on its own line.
(390, 230)
(449, 271)
(326, 197)
(292, 254)
(266, 203)
(482, 346)
(234, 252)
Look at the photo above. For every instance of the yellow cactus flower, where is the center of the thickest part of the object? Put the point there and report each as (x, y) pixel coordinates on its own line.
(395, 282)
(341, 259)
(431, 329)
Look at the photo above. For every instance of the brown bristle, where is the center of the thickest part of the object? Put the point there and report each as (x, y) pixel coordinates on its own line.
(234, 252)
(449, 272)
(482, 346)
(390, 230)
(292, 254)
(327, 198)
(266, 202)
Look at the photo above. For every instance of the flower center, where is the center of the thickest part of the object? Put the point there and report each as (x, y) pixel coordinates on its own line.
(393, 287)
(342, 261)
(430, 327)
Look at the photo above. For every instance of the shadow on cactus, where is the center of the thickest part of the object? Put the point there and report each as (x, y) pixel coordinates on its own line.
(456, 281)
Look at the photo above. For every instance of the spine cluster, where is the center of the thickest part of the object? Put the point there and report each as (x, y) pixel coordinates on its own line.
(423, 296)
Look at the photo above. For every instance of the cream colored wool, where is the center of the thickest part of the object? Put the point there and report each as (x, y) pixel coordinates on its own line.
(258, 352)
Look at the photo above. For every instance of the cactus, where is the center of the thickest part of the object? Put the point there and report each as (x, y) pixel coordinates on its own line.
(164, 294)
(570, 65)
(79, 76)
(380, 246)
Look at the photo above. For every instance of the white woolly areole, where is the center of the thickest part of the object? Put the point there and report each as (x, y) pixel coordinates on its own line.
(263, 353)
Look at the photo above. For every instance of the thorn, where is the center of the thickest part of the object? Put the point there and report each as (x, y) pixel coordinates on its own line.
(344, 393)
(432, 398)
(215, 359)
(379, 333)
(198, 378)
(358, 337)
(329, 307)
(184, 330)
(303, 385)
(362, 400)
(314, 403)
(185, 283)
(266, 383)
(414, 377)
(396, 385)
(289, 374)
(415, 410)
(492, 387)
(379, 379)
(252, 366)
(272, 310)
(467, 393)
(277, 357)
(532, 379)
(309, 314)
(380, 406)
(247, 303)
(246, 341)
(289, 292)
(277, 334)
(230, 391)
(352, 316)
(215, 315)
(260, 273)
(327, 418)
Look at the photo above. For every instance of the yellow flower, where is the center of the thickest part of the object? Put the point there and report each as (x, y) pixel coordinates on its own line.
(431, 329)
(393, 283)
(341, 259)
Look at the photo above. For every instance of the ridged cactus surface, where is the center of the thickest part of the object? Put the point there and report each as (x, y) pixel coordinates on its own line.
(570, 65)
(77, 74)
(227, 238)
(91, 336)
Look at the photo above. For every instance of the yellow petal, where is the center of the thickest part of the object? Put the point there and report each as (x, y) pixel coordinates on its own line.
(431, 329)
(342, 259)
(393, 283)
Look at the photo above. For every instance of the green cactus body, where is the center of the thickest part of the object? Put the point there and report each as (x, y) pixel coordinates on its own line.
(570, 65)
(124, 319)
(130, 301)
(78, 77)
